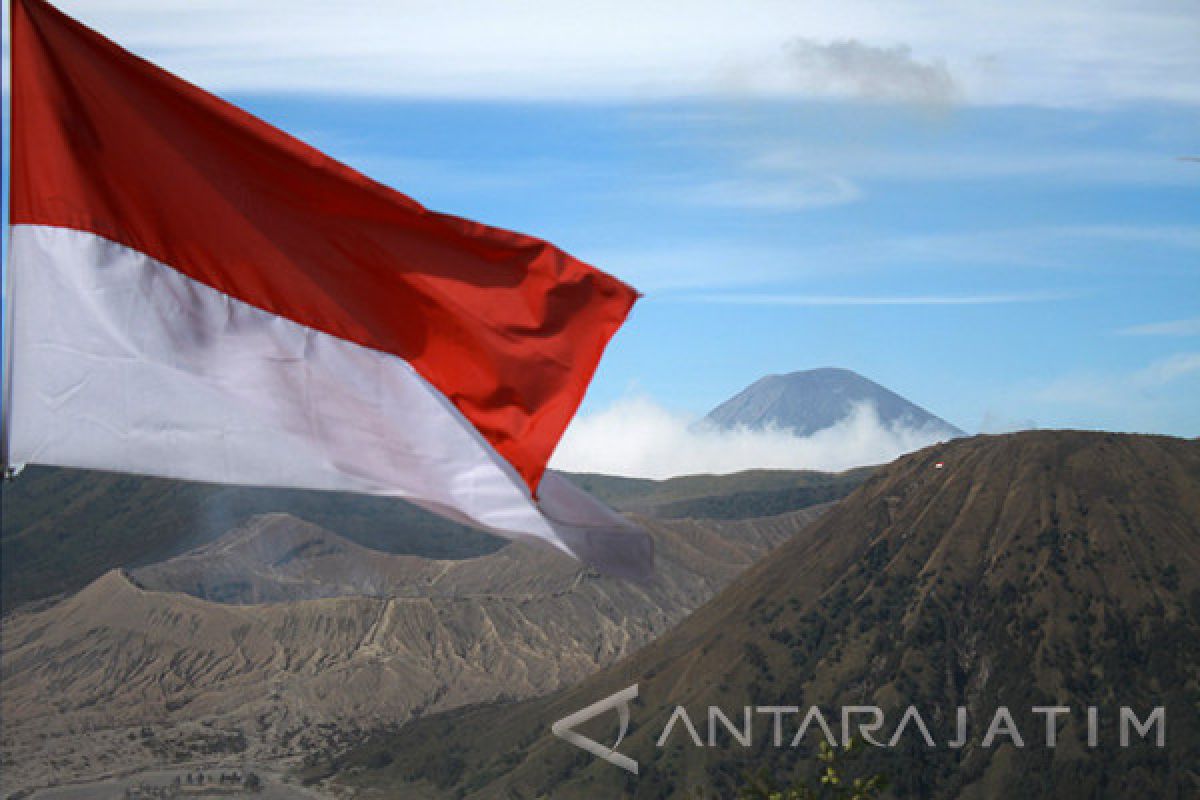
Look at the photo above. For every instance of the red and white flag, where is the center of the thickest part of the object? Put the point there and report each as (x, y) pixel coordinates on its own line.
(195, 294)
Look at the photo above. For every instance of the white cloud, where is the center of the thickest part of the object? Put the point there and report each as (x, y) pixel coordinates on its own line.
(1069, 53)
(1182, 237)
(704, 265)
(775, 194)
(850, 67)
(789, 299)
(1177, 327)
(639, 438)
(1159, 397)
(1143, 388)
(1089, 165)
(1043, 247)
(1167, 370)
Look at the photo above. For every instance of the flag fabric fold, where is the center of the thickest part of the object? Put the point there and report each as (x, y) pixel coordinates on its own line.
(196, 294)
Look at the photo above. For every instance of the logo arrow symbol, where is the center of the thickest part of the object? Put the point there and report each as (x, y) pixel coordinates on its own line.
(565, 728)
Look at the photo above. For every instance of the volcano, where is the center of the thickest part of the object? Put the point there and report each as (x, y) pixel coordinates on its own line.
(1048, 568)
(816, 399)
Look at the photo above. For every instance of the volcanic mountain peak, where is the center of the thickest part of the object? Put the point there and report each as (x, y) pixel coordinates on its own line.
(111, 595)
(812, 400)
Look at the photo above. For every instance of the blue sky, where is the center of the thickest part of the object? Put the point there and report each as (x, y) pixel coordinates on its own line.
(986, 212)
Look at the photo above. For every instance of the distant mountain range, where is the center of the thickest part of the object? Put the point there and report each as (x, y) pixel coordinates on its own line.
(1038, 569)
(63, 528)
(813, 400)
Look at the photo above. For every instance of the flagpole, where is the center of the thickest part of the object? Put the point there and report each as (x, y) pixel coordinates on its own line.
(6, 467)
(6, 304)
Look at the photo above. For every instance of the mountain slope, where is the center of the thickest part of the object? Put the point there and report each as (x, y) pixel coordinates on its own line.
(812, 400)
(122, 676)
(740, 495)
(1035, 569)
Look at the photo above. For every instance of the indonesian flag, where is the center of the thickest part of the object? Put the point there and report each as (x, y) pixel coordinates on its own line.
(195, 294)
